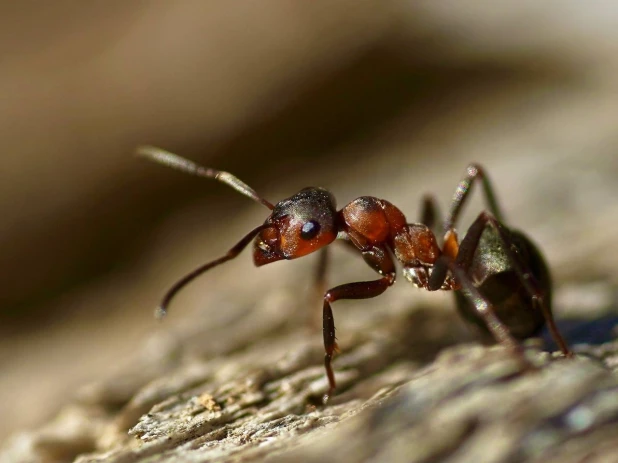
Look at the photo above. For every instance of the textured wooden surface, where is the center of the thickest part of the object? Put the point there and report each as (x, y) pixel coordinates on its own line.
(234, 371)
(261, 403)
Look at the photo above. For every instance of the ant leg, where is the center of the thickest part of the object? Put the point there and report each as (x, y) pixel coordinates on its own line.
(450, 244)
(161, 311)
(357, 290)
(430, 212)
(466, 254)
(319, 283)
(379, 259)
(320, 273)
(473, 172)
(485, 309)
(497, 328)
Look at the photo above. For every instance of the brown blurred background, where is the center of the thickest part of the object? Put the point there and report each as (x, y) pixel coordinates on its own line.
(386, 98)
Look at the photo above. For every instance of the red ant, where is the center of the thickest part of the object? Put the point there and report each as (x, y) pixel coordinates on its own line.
(500, 278)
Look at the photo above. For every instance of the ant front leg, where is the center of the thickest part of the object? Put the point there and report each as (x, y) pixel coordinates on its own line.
(380, 260)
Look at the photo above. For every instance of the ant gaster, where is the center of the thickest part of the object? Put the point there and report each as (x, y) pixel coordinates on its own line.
(499, 277)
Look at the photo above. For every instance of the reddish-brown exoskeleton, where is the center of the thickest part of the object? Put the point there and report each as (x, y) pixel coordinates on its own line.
(500, 278)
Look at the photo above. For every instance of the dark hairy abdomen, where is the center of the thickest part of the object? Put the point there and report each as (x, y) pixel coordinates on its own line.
(494, 276)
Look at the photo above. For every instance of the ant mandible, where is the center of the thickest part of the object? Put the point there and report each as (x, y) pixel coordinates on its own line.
(500, 278)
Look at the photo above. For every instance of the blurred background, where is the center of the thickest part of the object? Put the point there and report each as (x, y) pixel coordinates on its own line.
(386, 98)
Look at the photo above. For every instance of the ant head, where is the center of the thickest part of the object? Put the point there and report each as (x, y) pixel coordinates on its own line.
(299, 225)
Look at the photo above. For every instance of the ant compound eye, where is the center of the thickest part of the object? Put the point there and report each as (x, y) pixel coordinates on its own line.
(310, 230)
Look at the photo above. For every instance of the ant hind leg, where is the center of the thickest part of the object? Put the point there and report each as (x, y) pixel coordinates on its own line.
(473, 172)
(484, 308)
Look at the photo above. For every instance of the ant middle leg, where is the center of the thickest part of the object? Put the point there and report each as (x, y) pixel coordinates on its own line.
(380, 260)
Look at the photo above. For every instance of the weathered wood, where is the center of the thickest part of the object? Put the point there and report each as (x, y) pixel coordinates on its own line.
(472, 403)
(239, 379)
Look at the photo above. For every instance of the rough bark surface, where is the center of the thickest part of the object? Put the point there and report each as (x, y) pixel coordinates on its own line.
(396, 104)
(178, 401)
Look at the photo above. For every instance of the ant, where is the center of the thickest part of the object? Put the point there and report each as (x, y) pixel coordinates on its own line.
(499, 277)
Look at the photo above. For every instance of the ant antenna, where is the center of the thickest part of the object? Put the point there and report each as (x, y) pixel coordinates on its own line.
(161, 310)
(176, 162)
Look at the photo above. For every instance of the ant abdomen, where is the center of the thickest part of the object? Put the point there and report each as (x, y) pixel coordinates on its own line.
(494, 274)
